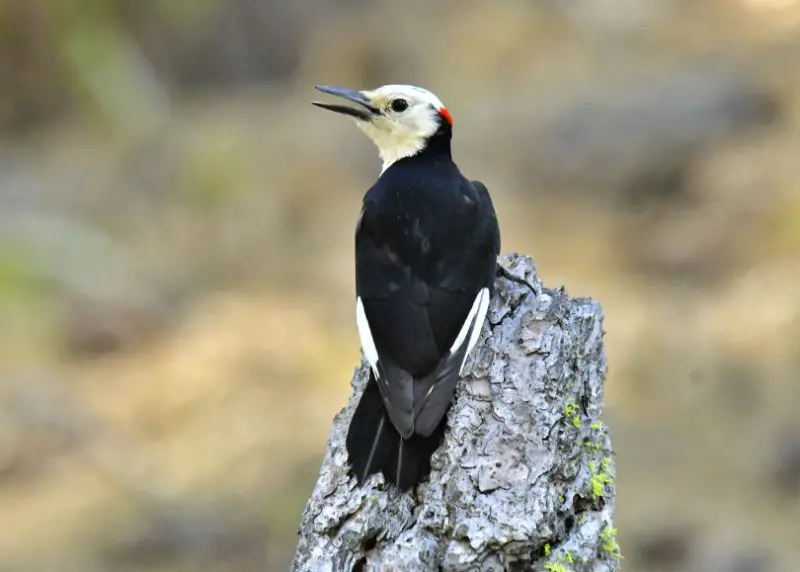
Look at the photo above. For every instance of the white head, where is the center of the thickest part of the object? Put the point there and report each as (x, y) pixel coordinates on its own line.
(400, 119)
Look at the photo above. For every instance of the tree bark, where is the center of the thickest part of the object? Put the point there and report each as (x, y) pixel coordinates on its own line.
(525, 477)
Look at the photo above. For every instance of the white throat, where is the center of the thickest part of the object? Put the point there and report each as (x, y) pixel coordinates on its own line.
(394, 145)
(391, 154)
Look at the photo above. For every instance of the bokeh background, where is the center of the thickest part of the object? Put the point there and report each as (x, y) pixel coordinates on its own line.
(176, 272)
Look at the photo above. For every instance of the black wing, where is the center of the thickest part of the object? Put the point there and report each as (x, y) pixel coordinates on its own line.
(424, 284)
(492, 226)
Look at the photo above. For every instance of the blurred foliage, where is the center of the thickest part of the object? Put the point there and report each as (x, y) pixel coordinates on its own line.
(115, 57)
(16, 277)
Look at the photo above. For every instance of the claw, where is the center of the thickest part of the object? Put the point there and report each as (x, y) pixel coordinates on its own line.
(503, 272)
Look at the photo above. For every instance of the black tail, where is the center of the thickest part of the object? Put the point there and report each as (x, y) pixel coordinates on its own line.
(375, 446)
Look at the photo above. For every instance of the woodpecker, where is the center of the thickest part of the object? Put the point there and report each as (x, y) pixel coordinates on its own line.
(426, 248)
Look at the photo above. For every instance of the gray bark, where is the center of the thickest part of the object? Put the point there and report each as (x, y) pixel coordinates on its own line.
(525, 477)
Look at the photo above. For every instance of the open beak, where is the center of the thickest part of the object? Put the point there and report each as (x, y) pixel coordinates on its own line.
(365, 112)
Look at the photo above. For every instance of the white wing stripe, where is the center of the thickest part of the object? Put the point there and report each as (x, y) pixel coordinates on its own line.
(462, 334)
(477, 326)
(472, 325)
(365, 335)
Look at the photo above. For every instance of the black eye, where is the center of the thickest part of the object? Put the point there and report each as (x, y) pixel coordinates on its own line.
(399, 105)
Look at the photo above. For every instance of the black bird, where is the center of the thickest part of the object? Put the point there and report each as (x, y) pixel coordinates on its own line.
(426, 243)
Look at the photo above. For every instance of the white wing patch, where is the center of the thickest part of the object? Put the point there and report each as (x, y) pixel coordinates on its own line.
(365, 335)
(472, 326)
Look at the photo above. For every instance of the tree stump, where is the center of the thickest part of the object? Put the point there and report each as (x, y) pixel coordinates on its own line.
(524, 479)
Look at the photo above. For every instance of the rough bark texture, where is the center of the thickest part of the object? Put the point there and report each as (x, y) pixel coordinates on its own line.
(525, 477)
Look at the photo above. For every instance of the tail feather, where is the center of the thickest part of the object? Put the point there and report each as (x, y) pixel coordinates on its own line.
(375, 446)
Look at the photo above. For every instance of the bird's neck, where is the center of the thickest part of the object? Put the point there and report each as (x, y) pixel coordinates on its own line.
(402, 148)
(393, 153)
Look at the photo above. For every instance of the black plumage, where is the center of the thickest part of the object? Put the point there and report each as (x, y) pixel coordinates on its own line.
(426, 248)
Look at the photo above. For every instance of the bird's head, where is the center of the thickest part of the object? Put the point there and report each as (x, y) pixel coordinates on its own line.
(400, 119)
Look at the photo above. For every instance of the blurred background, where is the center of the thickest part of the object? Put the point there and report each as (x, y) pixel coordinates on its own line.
(176, 265)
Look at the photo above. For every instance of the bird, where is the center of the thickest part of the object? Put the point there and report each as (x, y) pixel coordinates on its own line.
(427, 242)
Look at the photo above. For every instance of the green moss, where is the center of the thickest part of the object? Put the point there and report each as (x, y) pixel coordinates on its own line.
(562, 565)
(593, 445)
(596, 426)
(608, 541)
(599, 478)
(547, 549)
(571, 411)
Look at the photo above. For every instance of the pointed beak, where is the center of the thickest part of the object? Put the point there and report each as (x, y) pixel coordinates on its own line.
(365, 112)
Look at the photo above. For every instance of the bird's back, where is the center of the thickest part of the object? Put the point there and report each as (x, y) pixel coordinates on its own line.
(426, 244)
(426, 254)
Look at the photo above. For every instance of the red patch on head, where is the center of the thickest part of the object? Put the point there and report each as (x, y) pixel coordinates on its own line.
(446, 114)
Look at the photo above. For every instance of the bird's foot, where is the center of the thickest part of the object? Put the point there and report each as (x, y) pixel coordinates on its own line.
(503, 272)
